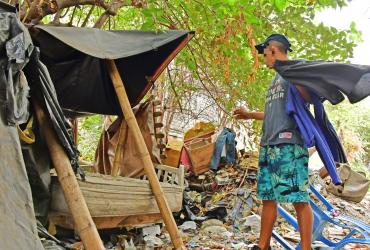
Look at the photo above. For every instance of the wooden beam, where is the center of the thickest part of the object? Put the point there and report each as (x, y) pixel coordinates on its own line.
(172, 56)
(74, 123)
(144, 155)
(110, 221)
(165, 63)
(71, 190)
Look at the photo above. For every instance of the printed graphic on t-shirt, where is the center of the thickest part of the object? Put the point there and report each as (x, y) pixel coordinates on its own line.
(276, 91)
(286, 135)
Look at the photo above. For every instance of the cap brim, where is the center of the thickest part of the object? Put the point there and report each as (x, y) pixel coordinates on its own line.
(260, 47)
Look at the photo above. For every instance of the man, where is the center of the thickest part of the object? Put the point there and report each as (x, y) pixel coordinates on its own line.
(283, 160)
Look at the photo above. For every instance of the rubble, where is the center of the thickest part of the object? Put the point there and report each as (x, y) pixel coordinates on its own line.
(252, 223)
(188, 225)
(221, 211)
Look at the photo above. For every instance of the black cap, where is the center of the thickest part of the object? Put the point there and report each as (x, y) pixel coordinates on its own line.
(274, 37)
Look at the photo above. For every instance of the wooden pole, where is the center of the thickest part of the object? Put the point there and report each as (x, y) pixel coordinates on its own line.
(72, 193)
(171, 56)
(144, 155)
(165, 63)
(74, 122)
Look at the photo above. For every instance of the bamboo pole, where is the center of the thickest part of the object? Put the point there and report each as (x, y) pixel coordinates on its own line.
(144, 155)
(71, 190)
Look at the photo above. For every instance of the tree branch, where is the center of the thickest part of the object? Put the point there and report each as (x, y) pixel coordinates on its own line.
(88, 16)
(73, 15)
(173, 89)
(110, 10)
(56, 20)
(205, 87)
(41, 8)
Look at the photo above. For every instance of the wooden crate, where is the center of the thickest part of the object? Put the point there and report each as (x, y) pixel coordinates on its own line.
(172, 158)
(120, 201)
(173, 152)
(200, 152)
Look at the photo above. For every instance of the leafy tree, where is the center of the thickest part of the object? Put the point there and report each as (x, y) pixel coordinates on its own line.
(221, 58)
(220, 69)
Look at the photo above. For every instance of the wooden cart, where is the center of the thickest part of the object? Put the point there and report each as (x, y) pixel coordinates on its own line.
(120, 201)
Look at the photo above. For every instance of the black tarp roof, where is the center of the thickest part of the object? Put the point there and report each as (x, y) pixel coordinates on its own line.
(5, 7)
(75, 60)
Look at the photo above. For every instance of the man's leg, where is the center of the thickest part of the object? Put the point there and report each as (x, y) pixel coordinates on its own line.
(305, 221)
(268, 218)
(265, 193)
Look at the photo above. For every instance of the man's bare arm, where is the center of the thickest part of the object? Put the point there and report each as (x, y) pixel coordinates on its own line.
(242, 113)
(256, 115)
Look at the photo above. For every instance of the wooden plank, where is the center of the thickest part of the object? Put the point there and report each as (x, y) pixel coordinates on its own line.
(159, 174)
(181, 176)
(165, 177)
(158, 125)
(109, 222)
(159, 136)
(157, 113)
(169, 169)
(120, 199)
(173, 177)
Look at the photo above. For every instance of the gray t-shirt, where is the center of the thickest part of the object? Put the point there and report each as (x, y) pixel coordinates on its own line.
(278, 127)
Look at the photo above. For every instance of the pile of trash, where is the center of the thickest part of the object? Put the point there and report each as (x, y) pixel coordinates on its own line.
(221, 211)
(220, 208)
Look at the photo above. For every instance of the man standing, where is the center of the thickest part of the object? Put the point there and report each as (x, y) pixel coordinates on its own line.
(283, 160)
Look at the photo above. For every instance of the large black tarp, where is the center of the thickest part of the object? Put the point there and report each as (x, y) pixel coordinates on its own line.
(75, 60)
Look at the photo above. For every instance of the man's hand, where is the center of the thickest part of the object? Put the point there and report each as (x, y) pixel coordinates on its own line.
(242, 113)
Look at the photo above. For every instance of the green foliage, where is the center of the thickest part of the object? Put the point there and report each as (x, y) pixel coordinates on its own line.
(352, 123)
(280, 5)
(89, 130)
(226, 31)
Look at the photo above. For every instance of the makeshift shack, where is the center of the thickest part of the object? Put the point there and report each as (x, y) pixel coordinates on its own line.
(73, 72)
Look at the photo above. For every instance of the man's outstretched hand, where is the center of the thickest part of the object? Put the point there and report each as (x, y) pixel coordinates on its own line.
(241, 113)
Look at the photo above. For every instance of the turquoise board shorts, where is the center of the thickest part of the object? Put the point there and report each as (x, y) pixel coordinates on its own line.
(283, 173)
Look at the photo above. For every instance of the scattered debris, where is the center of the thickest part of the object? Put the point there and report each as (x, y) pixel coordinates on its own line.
(221, 211)
(252, 223)
(188, 225)
(151, 230)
